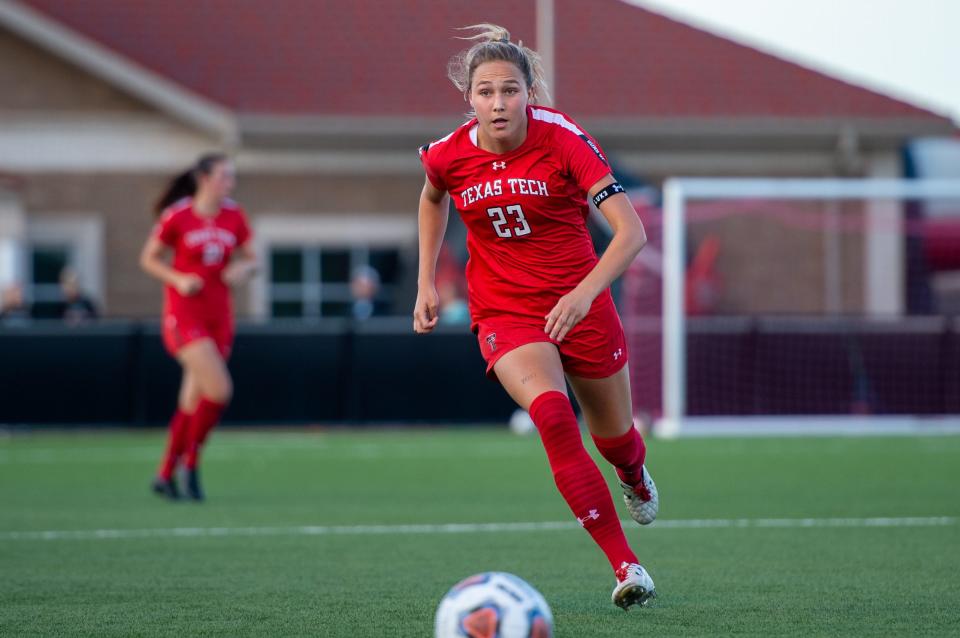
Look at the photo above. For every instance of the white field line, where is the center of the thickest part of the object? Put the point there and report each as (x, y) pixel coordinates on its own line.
(233, 450)
(466, 528)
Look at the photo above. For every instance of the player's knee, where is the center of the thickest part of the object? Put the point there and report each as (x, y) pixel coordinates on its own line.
(188, 404)
(220, 389)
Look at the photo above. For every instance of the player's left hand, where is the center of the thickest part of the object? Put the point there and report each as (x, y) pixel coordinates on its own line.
(426, 312)
(230, 275)
(570, 309)
(236, 273)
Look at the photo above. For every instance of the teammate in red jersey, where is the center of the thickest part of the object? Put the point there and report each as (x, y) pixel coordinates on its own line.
(539, 297)
(209, 237)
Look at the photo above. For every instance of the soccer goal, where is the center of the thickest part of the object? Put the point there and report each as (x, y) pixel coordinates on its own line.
(798, 305)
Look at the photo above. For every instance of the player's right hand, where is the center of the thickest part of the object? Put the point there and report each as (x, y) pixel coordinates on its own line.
(427, 309)
(188, 284)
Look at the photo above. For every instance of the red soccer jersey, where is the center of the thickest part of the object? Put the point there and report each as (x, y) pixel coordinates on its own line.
(202, 246)
(525, 212)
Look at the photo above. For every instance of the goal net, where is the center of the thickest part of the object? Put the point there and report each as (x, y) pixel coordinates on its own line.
(797, 304)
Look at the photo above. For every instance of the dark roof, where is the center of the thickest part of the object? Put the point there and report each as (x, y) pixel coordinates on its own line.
(388, 58)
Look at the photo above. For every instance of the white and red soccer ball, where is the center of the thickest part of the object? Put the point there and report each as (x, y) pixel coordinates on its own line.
(493, 605)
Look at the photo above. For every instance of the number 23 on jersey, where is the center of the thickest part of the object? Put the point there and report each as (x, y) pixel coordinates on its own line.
(509, 224)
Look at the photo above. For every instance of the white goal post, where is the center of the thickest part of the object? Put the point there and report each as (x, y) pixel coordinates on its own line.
(681, 191)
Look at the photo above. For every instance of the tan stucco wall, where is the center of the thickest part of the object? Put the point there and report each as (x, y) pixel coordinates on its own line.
(323, 193)
(34, 80)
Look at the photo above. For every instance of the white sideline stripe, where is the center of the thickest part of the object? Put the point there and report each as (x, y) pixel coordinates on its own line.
(467, 528)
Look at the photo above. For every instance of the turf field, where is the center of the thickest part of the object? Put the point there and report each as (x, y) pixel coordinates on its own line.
(347, 533)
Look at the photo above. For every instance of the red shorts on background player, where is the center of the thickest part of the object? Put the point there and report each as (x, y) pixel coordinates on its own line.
(209, 238)
(520, 176)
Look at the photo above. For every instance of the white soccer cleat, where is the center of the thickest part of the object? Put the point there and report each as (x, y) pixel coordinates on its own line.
(634, 586)
(642, 499)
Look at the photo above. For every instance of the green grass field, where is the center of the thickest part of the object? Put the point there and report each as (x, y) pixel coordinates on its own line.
(243, 564)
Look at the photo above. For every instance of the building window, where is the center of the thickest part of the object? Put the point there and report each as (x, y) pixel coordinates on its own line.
(53, 243)
(314, 281)
(47, 261)
(309, 260)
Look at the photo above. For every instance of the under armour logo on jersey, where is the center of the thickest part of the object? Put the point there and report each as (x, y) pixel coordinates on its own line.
(499, 165)
(594, 515)
(492, 341)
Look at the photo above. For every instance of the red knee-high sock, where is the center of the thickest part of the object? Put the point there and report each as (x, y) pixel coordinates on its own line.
(176, 443)
(203, 420)
(626, 453)
(577, 476)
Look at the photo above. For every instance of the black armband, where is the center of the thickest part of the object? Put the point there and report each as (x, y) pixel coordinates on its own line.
(611, 189)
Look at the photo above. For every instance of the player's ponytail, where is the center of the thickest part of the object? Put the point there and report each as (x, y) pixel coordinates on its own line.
(493, 43)
(185, 184)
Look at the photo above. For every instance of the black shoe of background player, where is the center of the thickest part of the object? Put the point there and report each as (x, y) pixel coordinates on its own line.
(165, 488)
(194, 491)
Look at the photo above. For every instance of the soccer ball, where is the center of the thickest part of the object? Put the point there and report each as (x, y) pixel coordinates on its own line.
(493, 605)
(521, 423)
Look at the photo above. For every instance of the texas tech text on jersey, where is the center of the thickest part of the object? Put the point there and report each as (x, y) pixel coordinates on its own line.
(492, 188)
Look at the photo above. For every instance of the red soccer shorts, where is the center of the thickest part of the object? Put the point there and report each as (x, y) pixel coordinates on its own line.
(180, 331)
(595, 348)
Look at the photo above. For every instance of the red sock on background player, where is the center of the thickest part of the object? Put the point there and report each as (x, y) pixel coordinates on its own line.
(577, 476)
(626, 453)
(176, 443)
(203, 421)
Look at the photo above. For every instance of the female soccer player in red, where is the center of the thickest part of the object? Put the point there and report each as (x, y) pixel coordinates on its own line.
(203, 229)
(539, 297)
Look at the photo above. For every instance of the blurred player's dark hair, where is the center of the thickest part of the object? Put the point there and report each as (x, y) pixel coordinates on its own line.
(185, 184)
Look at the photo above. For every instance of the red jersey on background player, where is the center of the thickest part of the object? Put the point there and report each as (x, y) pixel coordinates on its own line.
(203, 229)
(539, 297)
(202, 246)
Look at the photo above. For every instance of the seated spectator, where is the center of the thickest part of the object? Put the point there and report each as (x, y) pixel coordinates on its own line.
(13, 309)
(77, 307)
(453, 307)
(364, 286)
